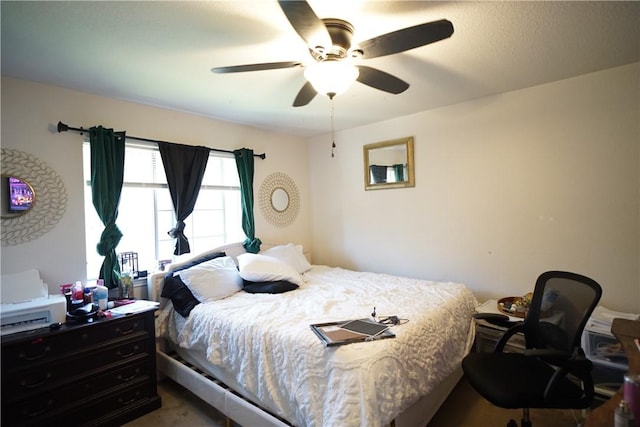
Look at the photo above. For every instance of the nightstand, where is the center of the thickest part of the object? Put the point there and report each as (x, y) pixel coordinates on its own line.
(101, 373)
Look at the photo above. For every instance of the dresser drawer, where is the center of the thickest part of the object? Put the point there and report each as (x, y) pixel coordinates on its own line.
(22, 382)
(40, 386)
(76, 409)
(45, 346)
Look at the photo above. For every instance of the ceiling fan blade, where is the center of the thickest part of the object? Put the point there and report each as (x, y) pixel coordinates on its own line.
(407, 38)
(306, 94)
(306, 23)
(380, 80)
(255, 67)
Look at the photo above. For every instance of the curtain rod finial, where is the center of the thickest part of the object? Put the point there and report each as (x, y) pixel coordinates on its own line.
(263, 156)
(62, 127)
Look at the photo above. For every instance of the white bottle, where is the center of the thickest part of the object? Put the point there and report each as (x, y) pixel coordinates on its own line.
(623, 416)
(101, 295)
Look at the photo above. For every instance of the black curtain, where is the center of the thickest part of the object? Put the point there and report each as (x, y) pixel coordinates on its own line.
(244, 163)
(379, 173)
(184, 166)
(107, 176)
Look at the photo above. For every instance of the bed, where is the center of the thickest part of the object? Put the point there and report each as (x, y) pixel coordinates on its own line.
(254, 357)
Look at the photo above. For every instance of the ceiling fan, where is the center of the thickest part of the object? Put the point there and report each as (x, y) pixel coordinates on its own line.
(329, 43)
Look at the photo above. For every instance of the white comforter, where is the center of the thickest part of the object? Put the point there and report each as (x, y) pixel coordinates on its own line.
(265, 340)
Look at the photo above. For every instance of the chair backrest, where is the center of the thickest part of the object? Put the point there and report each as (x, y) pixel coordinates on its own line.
(560, 308)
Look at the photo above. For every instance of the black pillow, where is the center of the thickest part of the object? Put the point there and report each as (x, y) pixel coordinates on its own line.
(181, 297)
(276, 287)
(174, 288)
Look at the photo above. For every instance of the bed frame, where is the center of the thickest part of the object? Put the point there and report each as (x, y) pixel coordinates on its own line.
(194, 377)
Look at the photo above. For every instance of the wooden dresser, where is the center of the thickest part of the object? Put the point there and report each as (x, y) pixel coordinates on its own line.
(95, 374)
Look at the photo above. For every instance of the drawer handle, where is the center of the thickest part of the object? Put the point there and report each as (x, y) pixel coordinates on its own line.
(40, 355)
(130, 377)
(133, 351)
(29, 413)
(44, 379)
(127, 402)
(128, 331)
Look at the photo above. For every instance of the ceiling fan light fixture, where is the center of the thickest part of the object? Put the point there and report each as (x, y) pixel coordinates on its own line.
(331, 77)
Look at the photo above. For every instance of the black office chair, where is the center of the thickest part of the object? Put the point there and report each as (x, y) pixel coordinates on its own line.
(553, 371)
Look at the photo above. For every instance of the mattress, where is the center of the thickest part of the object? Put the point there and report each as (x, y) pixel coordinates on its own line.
(264, 344)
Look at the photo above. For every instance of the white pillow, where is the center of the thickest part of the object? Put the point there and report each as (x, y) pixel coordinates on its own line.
(262, 268)
(289, 254)
(212, 280)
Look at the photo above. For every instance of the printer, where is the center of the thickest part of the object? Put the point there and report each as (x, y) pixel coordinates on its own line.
(25, 303)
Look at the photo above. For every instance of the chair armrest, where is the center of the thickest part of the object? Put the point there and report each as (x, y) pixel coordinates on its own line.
(577, 365)
(517, 327)
(495, 319)
(548, 355)
(575, 362)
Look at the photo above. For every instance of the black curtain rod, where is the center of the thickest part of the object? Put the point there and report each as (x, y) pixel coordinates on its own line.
(64, 128)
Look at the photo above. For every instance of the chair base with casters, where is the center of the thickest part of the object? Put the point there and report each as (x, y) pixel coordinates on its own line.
(552, 372)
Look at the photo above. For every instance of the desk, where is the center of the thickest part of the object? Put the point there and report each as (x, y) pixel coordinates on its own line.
(488, 334)
(625, 331)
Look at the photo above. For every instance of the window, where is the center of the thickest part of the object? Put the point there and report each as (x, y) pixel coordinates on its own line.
(145, 214)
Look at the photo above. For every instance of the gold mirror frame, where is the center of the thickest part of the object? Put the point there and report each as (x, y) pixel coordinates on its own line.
(49, 207)
(387, 154)
(279, 199)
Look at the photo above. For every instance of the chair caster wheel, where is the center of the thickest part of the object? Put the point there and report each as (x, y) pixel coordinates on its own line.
(512, 423)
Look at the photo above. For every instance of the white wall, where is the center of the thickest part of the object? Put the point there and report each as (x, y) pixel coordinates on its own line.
(507, 187)
(30, 113)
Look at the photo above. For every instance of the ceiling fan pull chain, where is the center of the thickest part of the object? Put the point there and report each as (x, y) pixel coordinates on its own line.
(333, 131)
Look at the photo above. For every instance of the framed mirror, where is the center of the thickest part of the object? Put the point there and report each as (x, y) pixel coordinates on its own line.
(279, 199)
(389, 164)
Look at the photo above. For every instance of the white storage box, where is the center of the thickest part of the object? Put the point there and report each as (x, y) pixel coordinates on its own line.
(604, 350)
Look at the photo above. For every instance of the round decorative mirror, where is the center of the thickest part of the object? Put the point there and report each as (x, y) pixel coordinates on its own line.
(279, 199)
(40, 197)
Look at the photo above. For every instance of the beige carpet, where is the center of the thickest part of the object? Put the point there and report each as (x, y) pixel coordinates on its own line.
(463, 408)
(180, 408)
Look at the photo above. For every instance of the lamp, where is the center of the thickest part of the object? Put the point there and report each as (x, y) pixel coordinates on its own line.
(331, 76)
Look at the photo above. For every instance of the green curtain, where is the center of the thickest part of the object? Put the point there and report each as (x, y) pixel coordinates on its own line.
(399, 172)
(107, 175)
(244, 163)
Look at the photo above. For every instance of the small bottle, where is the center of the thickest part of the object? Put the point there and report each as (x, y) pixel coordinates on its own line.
(101, 295)
(68, 295)
(77, 292)
(623, 416)
(88, 296)
(631, 394)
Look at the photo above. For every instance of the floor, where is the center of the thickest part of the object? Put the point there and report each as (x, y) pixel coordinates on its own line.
(463, 408)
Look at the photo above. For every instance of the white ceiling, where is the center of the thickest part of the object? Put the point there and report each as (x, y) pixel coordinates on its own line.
(161, 53)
